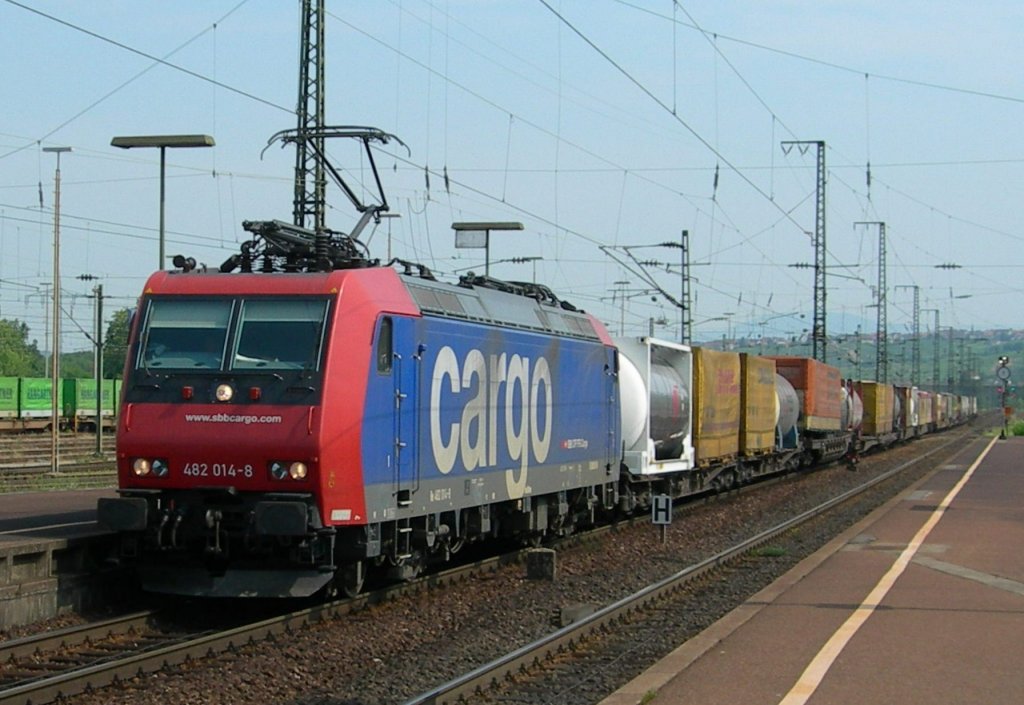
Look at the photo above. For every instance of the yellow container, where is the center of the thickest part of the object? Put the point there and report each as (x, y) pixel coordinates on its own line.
(716, 399)
(758, 405)
(878, 401)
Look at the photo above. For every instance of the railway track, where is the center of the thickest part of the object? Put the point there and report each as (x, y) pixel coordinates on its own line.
(102, 654)
(30, 449)
(55, 665)
(26, 463)
(52, 666)
(47, 667)
(514, 670)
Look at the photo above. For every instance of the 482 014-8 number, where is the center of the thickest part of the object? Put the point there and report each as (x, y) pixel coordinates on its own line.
(218, 470)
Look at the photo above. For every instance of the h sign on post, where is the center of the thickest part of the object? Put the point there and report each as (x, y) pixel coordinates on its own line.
(661, 511)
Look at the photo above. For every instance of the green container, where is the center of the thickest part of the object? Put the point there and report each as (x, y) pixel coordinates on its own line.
(110, 400)
(80, 398)
(34, 397)
(8, 397)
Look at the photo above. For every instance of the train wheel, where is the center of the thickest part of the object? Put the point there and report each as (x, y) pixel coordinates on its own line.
(407, 567)
(534, 539)
(351, 578)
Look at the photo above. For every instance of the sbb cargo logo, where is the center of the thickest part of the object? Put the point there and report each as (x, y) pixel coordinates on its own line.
(512, 383)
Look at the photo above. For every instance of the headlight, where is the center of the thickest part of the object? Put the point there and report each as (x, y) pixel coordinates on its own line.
(282, 470)
(225, 392)
(144, 467)
(298, 471)
(278, 470)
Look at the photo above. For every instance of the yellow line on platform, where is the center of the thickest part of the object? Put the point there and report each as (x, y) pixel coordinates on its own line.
(815, 672)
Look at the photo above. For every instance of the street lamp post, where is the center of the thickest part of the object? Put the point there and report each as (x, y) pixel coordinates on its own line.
(55, 354)
(163, 142)
(474, 235)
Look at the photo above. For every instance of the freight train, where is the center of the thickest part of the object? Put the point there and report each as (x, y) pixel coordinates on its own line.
(304, 417)
(26, 404)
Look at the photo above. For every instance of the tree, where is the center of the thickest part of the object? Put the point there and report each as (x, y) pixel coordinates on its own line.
(115, 343)
(77, 365)
(18, 357)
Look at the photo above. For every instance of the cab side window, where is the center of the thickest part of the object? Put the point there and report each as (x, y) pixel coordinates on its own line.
(384, 346)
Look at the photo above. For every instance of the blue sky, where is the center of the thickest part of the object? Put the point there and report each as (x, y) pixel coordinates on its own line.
(598, 124)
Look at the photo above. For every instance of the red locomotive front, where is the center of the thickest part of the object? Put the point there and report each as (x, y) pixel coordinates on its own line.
(240, 423)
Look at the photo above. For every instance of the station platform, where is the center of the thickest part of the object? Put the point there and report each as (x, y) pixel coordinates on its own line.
(52, 555)
(920, 602)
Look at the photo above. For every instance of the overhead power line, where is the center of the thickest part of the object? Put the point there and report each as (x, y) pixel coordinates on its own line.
(139, 52)
(829, 64)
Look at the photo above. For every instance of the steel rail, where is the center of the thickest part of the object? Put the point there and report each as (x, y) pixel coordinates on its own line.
(78, 679)
(73, 636)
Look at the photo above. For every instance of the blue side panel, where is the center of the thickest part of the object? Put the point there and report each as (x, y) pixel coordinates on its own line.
(473, 414)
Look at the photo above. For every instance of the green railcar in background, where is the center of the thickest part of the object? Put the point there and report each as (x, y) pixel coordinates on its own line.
(79, 403)
(35, 405)
(26, 404)
(8, 401)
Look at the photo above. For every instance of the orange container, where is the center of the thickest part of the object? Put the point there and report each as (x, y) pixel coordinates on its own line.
(819, 388)
(758, 406)
(716, 400)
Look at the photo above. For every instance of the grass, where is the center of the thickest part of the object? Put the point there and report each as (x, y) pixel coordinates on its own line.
(48, 482)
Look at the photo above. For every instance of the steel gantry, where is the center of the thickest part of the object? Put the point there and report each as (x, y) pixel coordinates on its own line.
(881, 349)
(915, 360)
(819, 335)
(310, 178)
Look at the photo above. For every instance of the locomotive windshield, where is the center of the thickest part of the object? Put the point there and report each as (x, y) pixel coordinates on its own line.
(233, 334)
(185, 334)
(279, 335)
